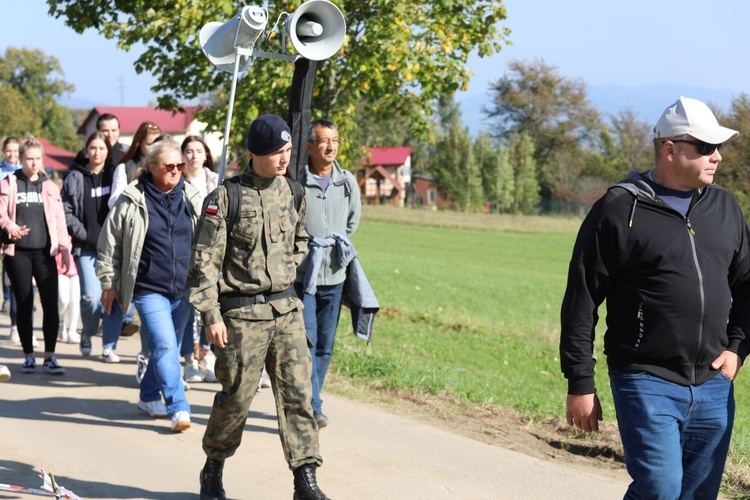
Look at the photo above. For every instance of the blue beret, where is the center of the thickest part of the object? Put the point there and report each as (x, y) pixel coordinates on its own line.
(267, 134)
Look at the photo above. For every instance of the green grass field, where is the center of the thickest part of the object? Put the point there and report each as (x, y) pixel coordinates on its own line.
(470, 308)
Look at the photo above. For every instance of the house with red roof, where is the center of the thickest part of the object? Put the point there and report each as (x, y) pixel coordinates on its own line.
(179, 125)
(385, 176)
(56, 158)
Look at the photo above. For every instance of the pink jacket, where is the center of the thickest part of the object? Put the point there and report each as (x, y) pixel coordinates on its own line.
(54, 214)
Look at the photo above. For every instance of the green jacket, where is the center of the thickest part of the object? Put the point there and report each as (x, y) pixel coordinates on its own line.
(121, 240)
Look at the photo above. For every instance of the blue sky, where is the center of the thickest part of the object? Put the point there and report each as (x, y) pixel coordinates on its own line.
(639, 42)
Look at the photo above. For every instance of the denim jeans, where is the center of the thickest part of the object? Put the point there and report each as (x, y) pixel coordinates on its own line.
(675, 438)
(163, 323)
(91, 308)
(321, 315)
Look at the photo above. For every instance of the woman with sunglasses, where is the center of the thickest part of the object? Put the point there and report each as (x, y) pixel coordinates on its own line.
(143, 257)
(127, 171)
(201, 173)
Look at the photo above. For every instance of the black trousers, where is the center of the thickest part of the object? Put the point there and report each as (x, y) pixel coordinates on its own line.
(21, 267)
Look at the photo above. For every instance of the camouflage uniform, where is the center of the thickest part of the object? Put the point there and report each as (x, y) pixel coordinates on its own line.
(266, 244)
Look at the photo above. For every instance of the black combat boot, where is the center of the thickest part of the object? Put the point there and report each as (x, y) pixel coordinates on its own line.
(212, 487)
(305, 484)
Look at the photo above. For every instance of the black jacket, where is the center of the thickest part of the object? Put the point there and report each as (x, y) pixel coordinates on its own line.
(677, 288)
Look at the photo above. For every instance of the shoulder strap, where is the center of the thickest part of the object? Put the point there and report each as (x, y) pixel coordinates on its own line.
(297, 190)
(234, 201)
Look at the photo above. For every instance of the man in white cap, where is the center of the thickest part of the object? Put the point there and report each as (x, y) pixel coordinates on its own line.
(670, 252)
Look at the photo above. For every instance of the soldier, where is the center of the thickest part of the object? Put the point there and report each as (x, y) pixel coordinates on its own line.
(250, 240)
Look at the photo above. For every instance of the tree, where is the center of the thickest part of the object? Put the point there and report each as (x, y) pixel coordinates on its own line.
(554, 111)
(734, 169)
(398, 56)
(37, 78)
(505, 184)
(526, 193)
(16, 116)
(626, 146)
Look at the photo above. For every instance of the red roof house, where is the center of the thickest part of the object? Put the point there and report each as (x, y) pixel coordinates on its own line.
(178, 125)
(386, 175)
(56, 157)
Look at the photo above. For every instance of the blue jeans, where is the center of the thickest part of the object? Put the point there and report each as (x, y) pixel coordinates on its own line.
(163, 323)
(321, 315)
(91, 307)
(675, 438)
(188, 339)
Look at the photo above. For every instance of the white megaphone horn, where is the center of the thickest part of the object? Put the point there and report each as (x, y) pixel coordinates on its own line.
(219, 41)
(317, 29)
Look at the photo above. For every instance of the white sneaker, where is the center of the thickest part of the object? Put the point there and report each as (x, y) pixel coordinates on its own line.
(73, 337)
(141, 365)
(265, 381)
(185, 386)
(155, 409)
(110, 356)
(4, 373)
(14, 335)
(207, 365)
(180, 421)
(192, 373)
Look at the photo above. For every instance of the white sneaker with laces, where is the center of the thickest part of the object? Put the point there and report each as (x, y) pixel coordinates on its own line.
(207, 365)
(4, 373)
(192, 373)
(180, 421)
(110, 356)
(155, 409)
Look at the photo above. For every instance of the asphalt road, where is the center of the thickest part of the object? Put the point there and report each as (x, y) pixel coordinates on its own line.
(85, 428)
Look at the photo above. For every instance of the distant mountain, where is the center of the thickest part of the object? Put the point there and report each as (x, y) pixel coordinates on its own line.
(646, 101)
(79, 103)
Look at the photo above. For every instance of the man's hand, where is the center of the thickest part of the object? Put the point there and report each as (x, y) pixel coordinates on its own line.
(729, 363)
(217, 334)
(584, 411)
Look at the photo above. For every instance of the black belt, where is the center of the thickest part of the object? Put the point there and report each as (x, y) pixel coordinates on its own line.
(230, 301)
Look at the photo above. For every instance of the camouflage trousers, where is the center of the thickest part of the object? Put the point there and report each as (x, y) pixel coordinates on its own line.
(280, 344)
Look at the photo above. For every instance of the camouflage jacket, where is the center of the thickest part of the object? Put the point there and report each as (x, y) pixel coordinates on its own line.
(260, 255)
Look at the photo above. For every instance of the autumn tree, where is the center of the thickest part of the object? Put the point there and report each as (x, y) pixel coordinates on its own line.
(398, 56)
(38, 79)
(552, 110)
(734, 169)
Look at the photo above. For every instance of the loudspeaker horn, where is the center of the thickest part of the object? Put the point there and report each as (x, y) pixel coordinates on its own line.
(219, 40)
(317, 29)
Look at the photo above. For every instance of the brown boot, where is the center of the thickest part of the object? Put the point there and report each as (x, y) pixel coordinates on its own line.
(305, 484)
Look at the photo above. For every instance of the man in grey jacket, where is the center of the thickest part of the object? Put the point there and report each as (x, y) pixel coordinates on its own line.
(333, 209)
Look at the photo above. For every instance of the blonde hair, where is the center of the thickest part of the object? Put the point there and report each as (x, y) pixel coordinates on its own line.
(29, 142)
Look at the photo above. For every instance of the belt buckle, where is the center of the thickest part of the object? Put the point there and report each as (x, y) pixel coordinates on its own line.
(261, 298)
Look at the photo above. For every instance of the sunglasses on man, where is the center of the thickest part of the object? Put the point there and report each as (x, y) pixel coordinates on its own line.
(703, 148)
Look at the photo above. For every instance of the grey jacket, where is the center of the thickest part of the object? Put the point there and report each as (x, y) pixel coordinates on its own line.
(337, 210)
(121, 240)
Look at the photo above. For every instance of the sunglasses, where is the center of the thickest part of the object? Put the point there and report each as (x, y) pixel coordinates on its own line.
(171, 166)
(703, 148)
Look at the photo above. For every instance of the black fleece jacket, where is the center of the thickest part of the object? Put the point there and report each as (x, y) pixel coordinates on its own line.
(677, 288)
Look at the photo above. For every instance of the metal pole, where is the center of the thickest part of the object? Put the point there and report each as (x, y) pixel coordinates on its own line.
(223, 162)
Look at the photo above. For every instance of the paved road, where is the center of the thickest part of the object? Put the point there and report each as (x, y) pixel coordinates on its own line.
(85, 427)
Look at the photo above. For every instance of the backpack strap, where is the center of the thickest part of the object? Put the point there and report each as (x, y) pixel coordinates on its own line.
(234, 201)
(297, 190)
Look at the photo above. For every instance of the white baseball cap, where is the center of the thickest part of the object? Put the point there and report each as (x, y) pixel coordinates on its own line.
(691, 117)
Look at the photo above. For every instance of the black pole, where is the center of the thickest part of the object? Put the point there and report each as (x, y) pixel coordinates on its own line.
(299, 113)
